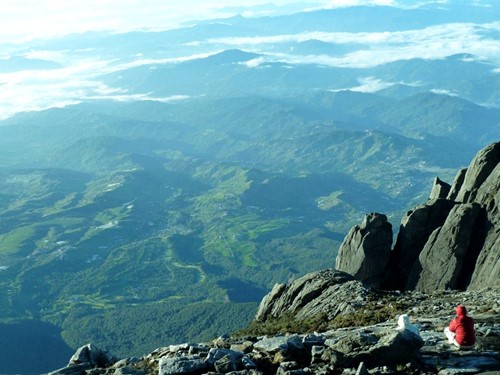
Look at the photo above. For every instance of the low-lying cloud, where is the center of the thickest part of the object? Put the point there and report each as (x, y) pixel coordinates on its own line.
(33, 90)
(435, 42)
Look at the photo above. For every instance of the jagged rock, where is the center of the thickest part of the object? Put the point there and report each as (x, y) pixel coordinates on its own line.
(226, 364)
(72, 370)
(283, 344)
(387, 348)
(457, 184)
(354, 344)
(414, 231)
(181, 365)
(127, 371)
(442, 260)
(269, 301)
(86, 358)
(362, 369)
(326, 293)
(311, 340)
(440, 189)
(216, 354)
(366, 249)
(248, 363)
(289, 299)
(487, 270)
(443, 228)
(396, 348)
(92, 355)
(243, 347)
(317, 352)
(487, 267)
(289, 368)
(480, 168)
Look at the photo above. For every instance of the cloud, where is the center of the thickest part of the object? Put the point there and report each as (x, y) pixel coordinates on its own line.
(33, 90)
(443, 92)
(254, 63)
(368, 85)
(371, 84)
(169, 60)
(137, 97)
(349, 3)
(434, 42)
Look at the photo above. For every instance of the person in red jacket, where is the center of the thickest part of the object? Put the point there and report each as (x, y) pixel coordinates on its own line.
(461, 332)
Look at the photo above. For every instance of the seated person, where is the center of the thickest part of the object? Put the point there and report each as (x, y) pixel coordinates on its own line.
(404, 323)
(460, 332)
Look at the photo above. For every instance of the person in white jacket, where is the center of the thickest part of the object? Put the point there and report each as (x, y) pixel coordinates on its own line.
(404, 323)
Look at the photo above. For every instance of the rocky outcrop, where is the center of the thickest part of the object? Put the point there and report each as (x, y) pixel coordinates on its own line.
(86, 358)
(382, 348)
(440, 189)
(366, 249)
(478, 172)
(442, 260)
(329, 292)
(457, 184)
(451, 242)
(414, 231)
(487, 266)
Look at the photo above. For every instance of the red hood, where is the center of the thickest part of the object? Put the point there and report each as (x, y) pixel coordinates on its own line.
(461, 310)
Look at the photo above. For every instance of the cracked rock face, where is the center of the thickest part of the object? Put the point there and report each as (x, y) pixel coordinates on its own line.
(451, 242)
(366, 249)
(316, 292)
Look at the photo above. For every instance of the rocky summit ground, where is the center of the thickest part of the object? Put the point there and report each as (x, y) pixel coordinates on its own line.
(371, 349)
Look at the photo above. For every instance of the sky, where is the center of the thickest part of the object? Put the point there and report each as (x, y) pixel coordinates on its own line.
(21, 20)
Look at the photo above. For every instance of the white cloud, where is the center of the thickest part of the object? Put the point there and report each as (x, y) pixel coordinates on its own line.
(367, 85)
(138, 97)
(371, 84)
(32, 90)
(170, 60)
(349, 3)
(443, 92)
(254, 63)
(434, 42)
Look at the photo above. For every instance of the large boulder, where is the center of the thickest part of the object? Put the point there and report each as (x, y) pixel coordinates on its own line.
(85, 358)
(414, 231)
(366, 249)
(442, 260)
(487, 266)
(301, 293)
(326, 294)
(92, 355)
(388, 348)
(181, 365)
(478, 172)
(396, 348)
